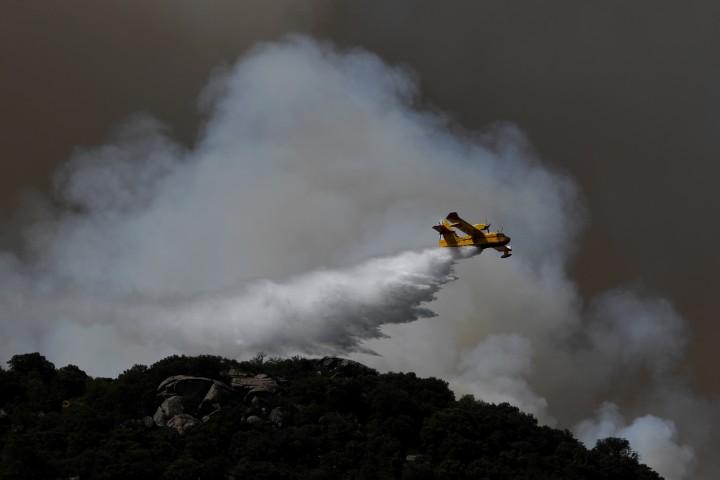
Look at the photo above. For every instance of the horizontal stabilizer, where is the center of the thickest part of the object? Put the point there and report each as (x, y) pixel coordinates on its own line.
(443, 229)
(448, 235)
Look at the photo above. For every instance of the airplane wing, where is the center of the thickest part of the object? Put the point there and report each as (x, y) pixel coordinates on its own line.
(454, 220)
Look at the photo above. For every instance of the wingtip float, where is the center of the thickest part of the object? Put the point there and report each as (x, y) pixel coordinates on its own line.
(478, 235)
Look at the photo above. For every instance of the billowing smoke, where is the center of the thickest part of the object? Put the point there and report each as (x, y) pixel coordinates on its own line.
(314, 160)
(495, 371)
(654, 439)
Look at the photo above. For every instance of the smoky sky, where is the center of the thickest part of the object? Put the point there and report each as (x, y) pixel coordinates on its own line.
(622, 95)
(71, 72)
(618, 96)
(139, 255)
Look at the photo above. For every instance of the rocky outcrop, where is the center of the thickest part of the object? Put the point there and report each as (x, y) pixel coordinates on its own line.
(184, 395)
(187, 398)
(168, 409)
(256, 388)
(246, 381)
(214, 398)
(182, 422)
(189, 386)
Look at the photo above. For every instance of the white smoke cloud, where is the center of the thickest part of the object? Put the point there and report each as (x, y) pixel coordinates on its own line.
(314, 160)
(653, 438)
(495, 371)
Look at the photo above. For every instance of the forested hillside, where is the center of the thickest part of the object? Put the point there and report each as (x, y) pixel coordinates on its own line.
(212, 418)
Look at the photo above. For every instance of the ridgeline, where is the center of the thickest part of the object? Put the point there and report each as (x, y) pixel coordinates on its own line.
(212, 418)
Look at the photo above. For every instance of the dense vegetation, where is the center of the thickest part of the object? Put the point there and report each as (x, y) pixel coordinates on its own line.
(354, 423)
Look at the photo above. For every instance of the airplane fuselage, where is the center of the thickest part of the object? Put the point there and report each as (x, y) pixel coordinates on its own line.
(488, 240)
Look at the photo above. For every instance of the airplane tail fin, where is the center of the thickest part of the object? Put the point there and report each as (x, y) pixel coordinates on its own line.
(452, 216)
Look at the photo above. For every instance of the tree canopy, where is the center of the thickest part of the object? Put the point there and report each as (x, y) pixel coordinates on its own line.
(320, 423)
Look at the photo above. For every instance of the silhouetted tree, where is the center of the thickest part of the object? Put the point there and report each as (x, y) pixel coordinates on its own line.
(32, 363)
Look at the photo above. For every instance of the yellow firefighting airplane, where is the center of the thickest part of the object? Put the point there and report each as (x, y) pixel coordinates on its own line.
(478, 235)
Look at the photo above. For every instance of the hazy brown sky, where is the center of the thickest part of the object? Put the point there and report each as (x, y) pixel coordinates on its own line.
(622, 95)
